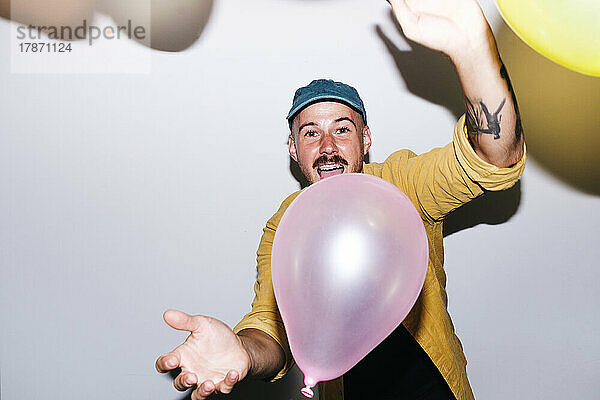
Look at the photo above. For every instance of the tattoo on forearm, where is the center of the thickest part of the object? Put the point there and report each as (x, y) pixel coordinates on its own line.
(518, 126)
(475, 123)
(481, 121)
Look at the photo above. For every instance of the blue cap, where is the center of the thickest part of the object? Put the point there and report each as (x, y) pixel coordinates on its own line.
(326, 90)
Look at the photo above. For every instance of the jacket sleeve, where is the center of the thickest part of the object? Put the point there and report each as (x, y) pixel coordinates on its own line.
(264, 315)
(445, 178)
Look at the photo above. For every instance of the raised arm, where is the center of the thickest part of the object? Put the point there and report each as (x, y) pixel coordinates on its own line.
(459, 29)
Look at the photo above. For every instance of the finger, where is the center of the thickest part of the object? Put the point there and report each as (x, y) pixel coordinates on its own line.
(434, 7)
(426, 29)
(184, 381)
(230, 379)
(167, 362)
(182, 321)
(406, 17)
(203, 391)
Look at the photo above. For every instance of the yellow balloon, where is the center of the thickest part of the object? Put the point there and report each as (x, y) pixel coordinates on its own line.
(565, 31)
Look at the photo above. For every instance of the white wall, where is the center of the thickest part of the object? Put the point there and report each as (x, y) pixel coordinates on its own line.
(124, 195)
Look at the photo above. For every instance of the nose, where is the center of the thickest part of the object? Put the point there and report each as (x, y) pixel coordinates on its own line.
(328, 145)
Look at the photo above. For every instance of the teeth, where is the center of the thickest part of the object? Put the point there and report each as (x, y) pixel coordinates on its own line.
(330, 167)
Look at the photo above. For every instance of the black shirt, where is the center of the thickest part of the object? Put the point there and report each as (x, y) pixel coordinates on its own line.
(397, 369)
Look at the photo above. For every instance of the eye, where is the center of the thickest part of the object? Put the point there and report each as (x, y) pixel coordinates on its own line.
(343, 129)
(310, 134)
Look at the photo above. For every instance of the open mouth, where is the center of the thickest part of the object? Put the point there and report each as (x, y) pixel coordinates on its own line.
(330, 169)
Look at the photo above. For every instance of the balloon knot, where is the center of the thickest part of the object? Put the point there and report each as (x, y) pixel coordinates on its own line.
(307, 392)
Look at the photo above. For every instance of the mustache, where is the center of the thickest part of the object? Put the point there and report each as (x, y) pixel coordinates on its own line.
(333, 160)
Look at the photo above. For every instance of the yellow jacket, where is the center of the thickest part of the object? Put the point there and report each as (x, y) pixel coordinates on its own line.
(437, 182)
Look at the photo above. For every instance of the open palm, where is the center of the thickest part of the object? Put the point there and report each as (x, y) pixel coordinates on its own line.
(212, 357)
(443, 25)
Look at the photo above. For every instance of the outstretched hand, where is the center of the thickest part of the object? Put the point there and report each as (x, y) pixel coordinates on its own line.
(212, 358)
(453, 27)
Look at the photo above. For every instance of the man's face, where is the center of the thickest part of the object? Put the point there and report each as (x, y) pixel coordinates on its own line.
(328, 139)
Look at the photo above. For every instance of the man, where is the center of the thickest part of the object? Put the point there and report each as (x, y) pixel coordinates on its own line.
(329, 135)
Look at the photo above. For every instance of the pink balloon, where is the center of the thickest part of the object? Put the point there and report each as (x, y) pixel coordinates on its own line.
(348, 263)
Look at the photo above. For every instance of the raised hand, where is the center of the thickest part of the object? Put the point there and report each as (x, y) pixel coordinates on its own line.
(212, 357)
(452, 27)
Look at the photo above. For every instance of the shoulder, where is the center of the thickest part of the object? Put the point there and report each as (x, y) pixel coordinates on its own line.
(287, 201)
(397, 158)
(400, 155)
(274, 220)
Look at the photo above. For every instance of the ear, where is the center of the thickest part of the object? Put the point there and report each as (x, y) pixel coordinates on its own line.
(292, 148)
(366, 139)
